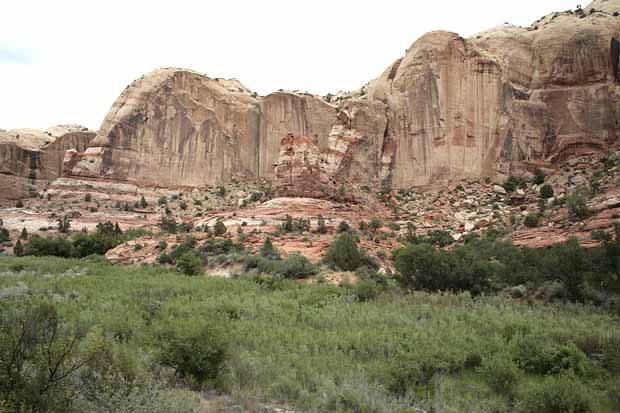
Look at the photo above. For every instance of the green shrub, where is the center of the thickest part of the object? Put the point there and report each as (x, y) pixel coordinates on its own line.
(189, 263)
(546, 191)
(168, 224)
(218, 246)
(375, 224)
(539, 356)
(321, 228)
(143, 204)
(219, 228)
(532, 220)
(611, 355)
(421, 266)
(88, 198)
(343, 253)
(5, 236)
(343, 226)
(162, 201)
(577, 205)
(296, 266)
(195, 348)
(501, 374)
(18, 249)
(269, 251)
(513, 182)
(58, 247)
(556, 394)
(19, 204)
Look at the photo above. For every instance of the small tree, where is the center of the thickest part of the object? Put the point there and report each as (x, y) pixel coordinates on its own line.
(143, 203)
(88, 198)
(322, 229)
(375, 224)
(64, 224)
(168, 224)
(19, 204)
(189, 263)
(287, 225)
(219, 228)
(343, 253)
(577, 205)
(24, 234)
(221, 191)
(532, 220)
(343, 226)
(546, 191)
(269, 251)
(18, 250)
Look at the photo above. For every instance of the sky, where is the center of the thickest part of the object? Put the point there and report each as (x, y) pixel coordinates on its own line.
(67, 61)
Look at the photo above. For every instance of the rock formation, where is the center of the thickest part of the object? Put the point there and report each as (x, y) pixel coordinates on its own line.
(30, 158)
(504, 102)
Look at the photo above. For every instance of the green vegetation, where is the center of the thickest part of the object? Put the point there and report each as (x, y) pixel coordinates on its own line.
(532, 220)
(343, 254)
(106, 237)
(577, 206)
(546, 191)
(149, 339)
(565, 271)
(219, 228)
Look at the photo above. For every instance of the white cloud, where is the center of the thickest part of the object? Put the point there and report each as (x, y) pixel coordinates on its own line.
(88, 51)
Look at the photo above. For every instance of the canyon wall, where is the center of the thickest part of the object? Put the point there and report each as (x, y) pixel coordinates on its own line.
(505, 101)
(30, 159)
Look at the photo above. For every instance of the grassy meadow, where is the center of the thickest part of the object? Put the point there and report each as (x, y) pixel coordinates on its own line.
(152, 339)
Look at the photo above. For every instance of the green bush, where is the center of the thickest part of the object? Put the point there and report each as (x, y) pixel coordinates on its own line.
(219, 228)
(195, 348)
(513, 182)
(546, 191)
(577, 205)
(539, 356)
(269, 251)
(532, 220)
(421, 266)
(189, 263)
(296, 266)
(58, 247)
(321, 228)
(556, 394)
(501, 374)
(344, 254)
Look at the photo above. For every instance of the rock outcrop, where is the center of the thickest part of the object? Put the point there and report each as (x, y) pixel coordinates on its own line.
(504, 102)
(30, 159)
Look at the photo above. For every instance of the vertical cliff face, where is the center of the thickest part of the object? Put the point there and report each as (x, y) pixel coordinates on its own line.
(284, 113)
(444, 110)
(504, 101)
(177, 127)
(30, 158)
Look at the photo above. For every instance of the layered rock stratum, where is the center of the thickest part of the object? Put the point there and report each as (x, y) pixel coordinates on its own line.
(506, 101)
(30, 159)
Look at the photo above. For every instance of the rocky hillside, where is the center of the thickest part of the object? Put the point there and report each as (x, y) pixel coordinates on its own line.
(503, 102)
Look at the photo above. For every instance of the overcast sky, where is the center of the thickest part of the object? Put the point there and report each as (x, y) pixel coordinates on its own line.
(67, 61)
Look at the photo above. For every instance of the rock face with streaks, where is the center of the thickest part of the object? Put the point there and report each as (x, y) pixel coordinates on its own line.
(30, 159)
(504, 102)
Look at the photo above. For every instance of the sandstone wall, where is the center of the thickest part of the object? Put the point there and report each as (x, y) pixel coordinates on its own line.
(505, 101)
(30, 159)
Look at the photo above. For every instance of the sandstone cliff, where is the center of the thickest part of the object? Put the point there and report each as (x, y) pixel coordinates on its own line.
(505, 101)
(30, 158)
